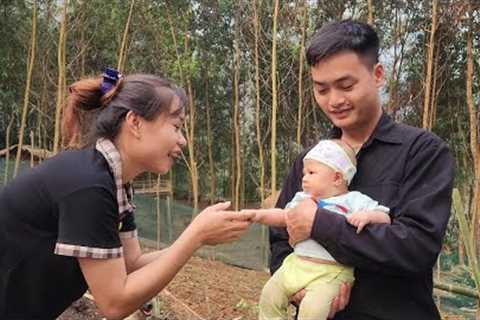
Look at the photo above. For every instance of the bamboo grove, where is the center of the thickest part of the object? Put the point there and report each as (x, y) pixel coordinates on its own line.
(241, 63)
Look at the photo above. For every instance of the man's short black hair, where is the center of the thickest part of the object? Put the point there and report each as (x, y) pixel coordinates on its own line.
(345, 35)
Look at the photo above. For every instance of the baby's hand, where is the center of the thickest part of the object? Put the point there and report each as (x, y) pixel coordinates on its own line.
(257, 216)
(359, 219)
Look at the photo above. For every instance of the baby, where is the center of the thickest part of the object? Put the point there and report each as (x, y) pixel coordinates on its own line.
(328, 169)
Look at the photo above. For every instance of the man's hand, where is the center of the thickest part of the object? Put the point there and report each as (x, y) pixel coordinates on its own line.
(297, 297)
(338, 304)
(340, 301)
(300, 221)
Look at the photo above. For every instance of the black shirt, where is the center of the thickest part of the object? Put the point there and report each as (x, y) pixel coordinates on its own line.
(410, 171)
(60, 210)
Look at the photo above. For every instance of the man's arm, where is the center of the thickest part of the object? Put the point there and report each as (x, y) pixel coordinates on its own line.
(279, 246)
(414, 239)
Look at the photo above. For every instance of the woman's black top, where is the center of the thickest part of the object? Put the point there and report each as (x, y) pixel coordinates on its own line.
(62, 209)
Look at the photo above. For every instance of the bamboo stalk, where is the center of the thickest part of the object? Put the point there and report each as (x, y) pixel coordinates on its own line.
(453, 288)
(158, 212)
(26, 98)
(7, 154)
(190, 122)
(211, 163)
(370, 12)
(122, 55)
(427, 112)
(32, 142)
(474, 141)
(236, 106)
(257, 103)
(467, 237)
(264, 247)
(300, 73)
(61, 77)
(274, 101)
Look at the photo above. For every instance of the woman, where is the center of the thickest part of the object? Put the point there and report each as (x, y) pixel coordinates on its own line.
(68, 224)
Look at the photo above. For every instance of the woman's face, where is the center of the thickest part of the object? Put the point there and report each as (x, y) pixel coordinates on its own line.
(161, 140)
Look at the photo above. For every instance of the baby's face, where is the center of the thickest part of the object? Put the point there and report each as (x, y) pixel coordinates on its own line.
(318, 178)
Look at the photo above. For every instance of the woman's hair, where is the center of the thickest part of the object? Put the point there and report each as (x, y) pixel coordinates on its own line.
(89, 115)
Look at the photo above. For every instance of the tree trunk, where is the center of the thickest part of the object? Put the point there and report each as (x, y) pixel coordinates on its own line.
(122, 55)
(274, 101)
(398, 57)
(211, 163)
(261, 160)
(157, 212)
(61, 77)
(32, 145)
(300, 73)
(7, 145)
(370, 12)
(190, 129)
(427, 110)
(26, 98)
(474, 141)
(236, 106)
(190, 122)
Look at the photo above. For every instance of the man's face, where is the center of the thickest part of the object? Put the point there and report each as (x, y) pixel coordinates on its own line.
(346, 89)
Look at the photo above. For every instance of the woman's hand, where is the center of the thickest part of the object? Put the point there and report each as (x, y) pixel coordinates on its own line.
(216, 225)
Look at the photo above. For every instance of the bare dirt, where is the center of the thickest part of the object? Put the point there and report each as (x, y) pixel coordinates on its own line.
(204, 289)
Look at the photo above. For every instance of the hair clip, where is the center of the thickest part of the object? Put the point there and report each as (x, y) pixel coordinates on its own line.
(110, 79)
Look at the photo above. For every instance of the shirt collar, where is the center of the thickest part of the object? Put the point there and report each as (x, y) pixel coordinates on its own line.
(385, 131)
(124, 191)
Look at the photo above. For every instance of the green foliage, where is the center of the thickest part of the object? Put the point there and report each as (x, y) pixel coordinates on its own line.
(95, 30)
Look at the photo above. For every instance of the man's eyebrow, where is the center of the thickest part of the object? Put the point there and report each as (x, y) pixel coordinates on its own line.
(341, 79)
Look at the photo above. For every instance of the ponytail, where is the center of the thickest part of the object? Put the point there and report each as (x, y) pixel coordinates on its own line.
(84, 98)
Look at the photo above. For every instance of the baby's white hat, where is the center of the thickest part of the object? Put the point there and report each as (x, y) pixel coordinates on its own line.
(333, 155)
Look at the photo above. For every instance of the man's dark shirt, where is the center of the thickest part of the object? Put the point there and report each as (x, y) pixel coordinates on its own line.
(410, 171)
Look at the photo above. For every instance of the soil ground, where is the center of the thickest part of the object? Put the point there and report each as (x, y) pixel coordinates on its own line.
(203, 290)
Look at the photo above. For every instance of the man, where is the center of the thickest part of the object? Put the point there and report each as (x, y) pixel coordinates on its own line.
(406, 169)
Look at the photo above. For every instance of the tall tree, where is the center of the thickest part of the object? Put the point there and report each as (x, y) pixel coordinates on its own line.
(273, 153)
(474, 140)
(236, 106)
(122, 55)
(261, 161)
(26, 99)
(211, 162)
(429, 78)
(370, 12)
(301, 55)
(61, 83)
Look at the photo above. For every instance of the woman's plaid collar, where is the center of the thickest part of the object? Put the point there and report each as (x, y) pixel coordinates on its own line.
(124, 191)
